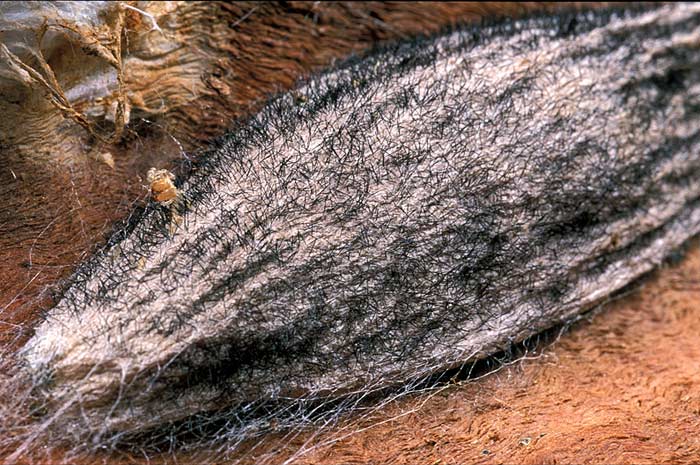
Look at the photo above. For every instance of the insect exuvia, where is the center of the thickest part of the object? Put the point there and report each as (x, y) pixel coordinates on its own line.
(412, 210)
(161, 184)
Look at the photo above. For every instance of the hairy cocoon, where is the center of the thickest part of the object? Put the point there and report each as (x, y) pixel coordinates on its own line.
(399, 215)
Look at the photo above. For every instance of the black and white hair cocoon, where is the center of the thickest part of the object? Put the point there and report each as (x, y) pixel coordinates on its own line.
(402, 214)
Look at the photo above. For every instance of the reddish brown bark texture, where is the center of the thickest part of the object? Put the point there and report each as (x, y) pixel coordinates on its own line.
(620, 389)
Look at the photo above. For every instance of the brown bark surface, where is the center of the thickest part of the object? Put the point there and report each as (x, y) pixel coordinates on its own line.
(619, 388)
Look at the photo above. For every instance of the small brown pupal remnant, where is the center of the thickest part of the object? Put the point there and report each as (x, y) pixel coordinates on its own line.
(163, 190)
(166, 194)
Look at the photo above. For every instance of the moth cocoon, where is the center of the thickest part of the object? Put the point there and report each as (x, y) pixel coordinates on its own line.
(399, 215)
